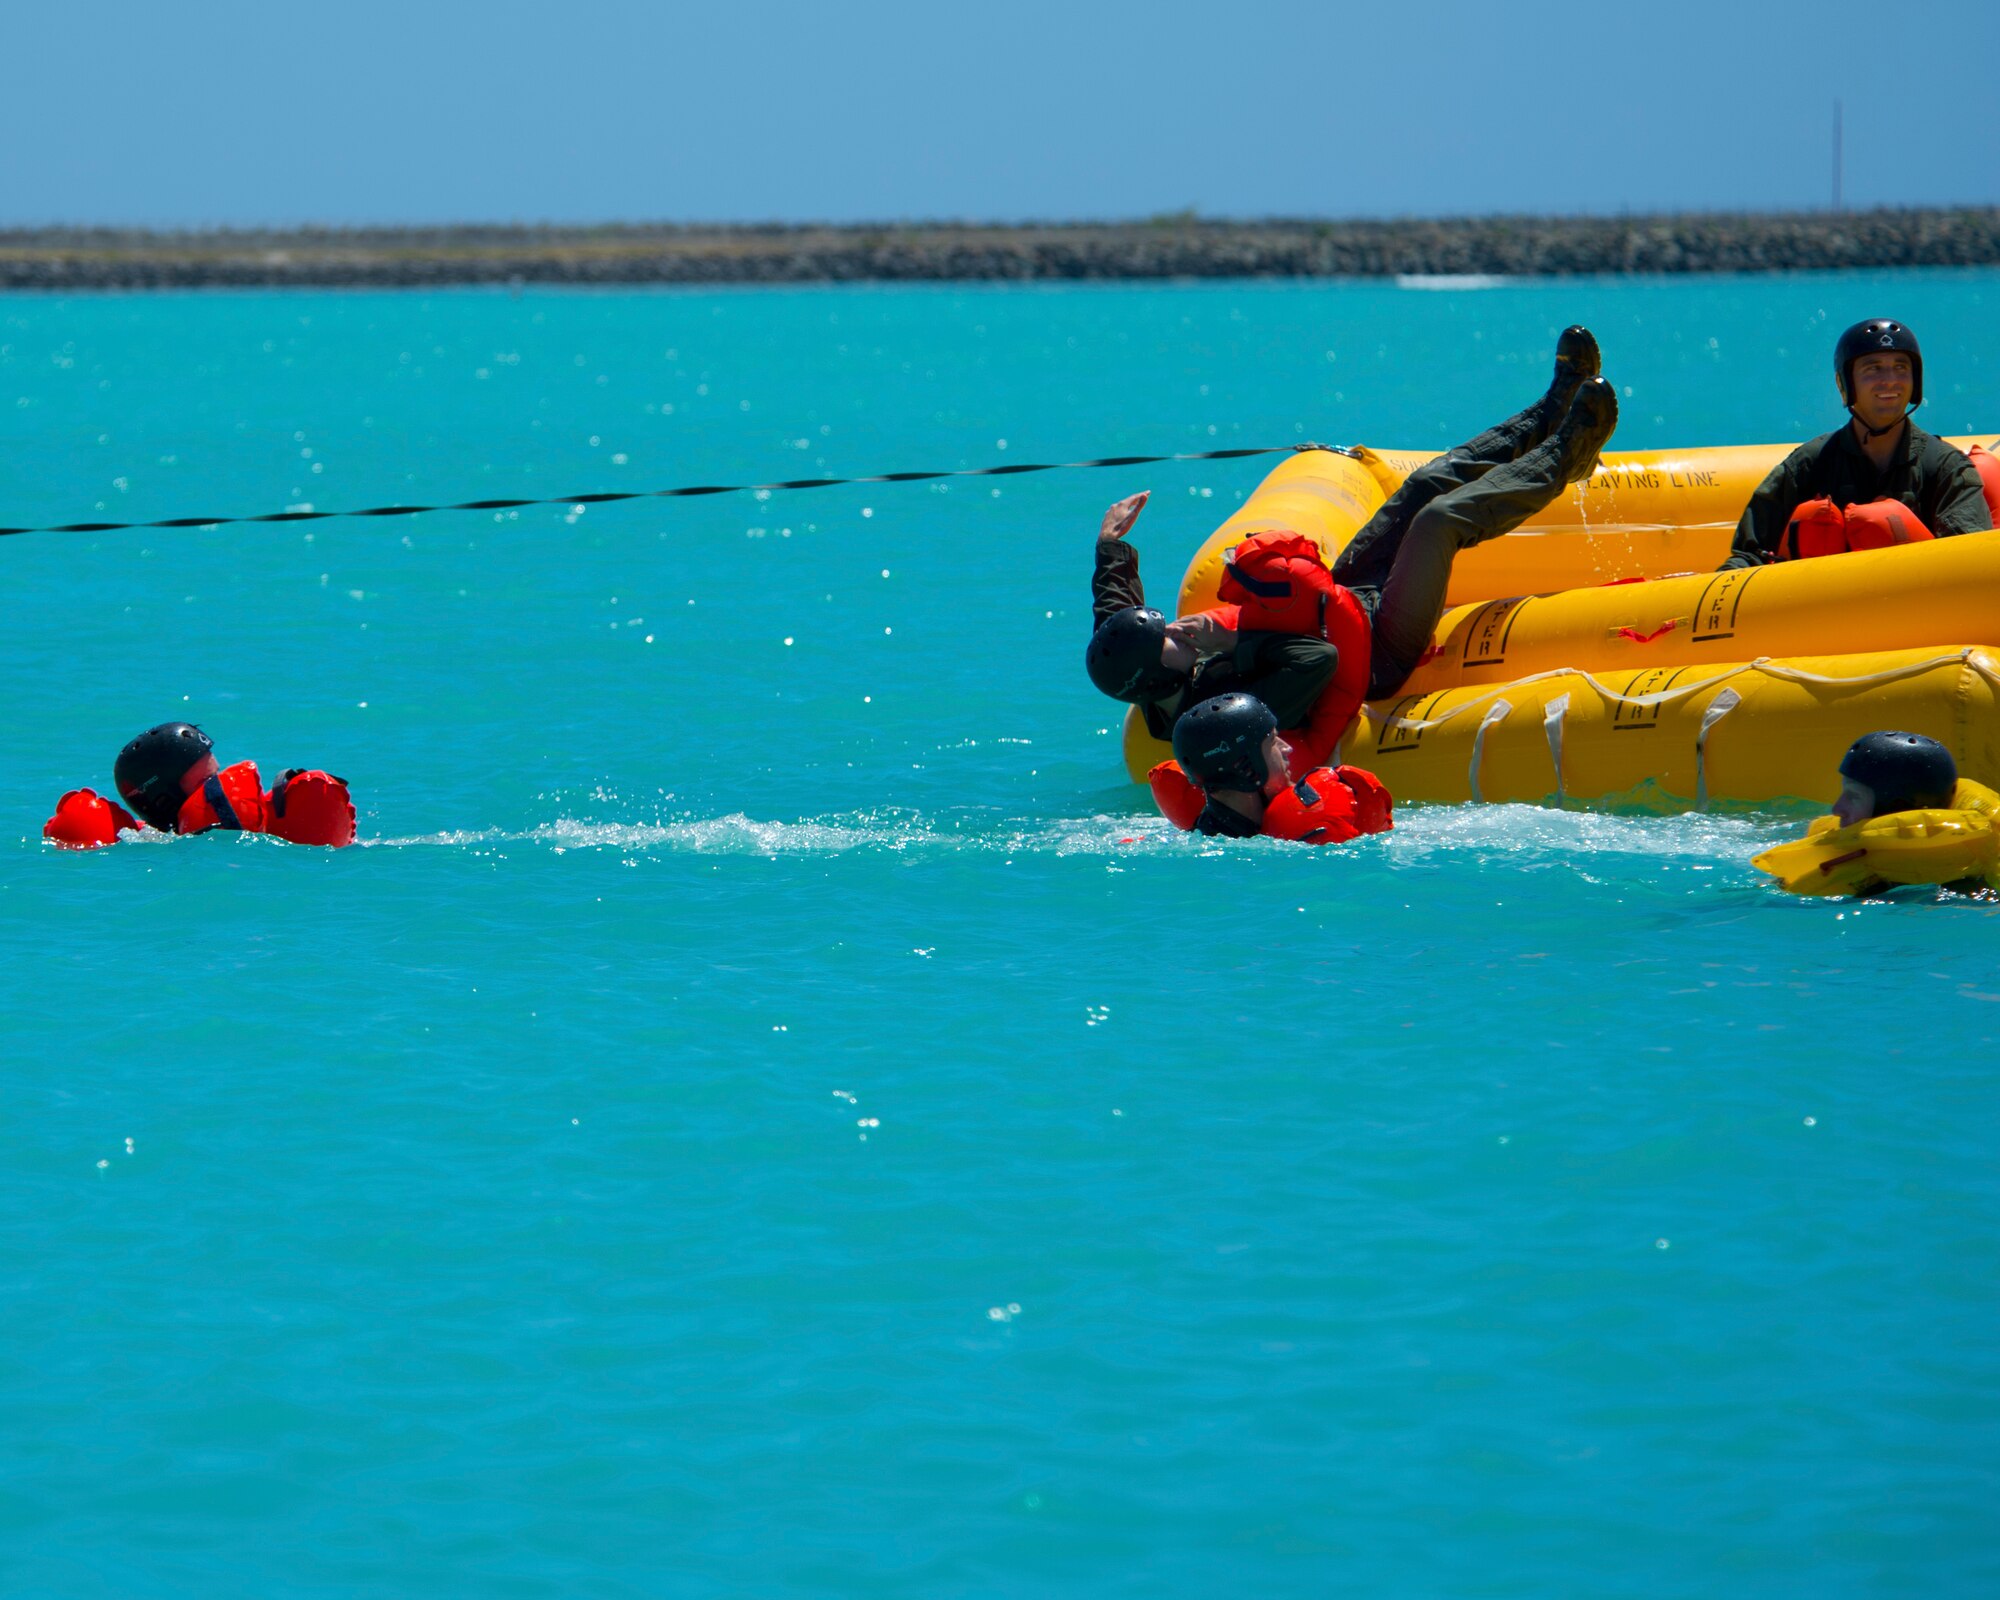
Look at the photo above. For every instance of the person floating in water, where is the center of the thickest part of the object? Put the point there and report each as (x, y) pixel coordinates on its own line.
(1903, 816)
(170, 778)
(1230, 776)
(1879, 480)
(1384, 596)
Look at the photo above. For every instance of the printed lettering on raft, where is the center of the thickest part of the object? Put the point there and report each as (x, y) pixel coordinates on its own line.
(1402, 729)
(1715, 612)
(1623, 478)
(1651, 681)
(1686, 479)
(1486, 637)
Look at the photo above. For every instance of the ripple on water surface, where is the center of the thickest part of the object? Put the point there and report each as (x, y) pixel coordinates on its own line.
(769, 1110)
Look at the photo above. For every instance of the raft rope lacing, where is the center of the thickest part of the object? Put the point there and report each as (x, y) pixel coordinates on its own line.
(684, 492)
(1977, 658)
(1556, 711)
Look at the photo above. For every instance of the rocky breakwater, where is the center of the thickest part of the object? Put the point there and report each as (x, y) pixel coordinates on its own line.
(1169, 247)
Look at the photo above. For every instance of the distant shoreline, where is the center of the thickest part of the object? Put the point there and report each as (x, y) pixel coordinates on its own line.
(1166, 247)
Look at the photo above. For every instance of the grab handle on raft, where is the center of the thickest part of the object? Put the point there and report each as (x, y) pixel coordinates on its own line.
(1553, 715)
(1726, 701)
(1494, 713)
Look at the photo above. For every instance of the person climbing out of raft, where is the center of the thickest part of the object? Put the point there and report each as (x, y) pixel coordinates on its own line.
(1878, 480)
(1313, 645)
(1231, 777)
(1903, 816)
(169, 776)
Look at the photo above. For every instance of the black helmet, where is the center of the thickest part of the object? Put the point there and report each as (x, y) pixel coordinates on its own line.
(1864, 339)
(1124, 656)
(150, 769)
(1220, 743)
(1907, 771)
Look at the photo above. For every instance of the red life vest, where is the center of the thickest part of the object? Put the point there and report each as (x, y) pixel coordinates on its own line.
(303, 807)
(231, 798)
(84, 820)
(1279, 584)
(1330, 807)
(310, 807)
(1821, 528)
(1989, 478)
(1881, 523)
(1327, 806)
(1174, 792)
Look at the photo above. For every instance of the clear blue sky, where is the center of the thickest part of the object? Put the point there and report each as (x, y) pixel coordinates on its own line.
(226, 111)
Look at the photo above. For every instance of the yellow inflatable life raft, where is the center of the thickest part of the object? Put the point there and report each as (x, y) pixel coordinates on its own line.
(1957, 844)
(1594, 655)
(1641, 514)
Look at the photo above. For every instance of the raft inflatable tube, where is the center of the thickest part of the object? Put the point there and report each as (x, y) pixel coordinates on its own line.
(1570, 667)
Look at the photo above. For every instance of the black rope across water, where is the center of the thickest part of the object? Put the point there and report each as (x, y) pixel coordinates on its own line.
(667, 494)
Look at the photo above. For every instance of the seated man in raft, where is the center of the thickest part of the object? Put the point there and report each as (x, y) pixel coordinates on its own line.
(170, 777)
(1311, 645)
(1231, 776)
(1878, 481)
(1904, 816)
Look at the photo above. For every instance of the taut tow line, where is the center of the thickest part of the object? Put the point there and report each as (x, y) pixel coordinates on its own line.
(684, 492)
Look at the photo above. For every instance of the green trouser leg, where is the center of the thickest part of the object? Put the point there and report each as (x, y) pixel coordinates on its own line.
(1369, 555)
(1412, 597)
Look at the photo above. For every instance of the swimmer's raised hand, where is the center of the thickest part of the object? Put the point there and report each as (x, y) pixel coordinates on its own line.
(1119, 519)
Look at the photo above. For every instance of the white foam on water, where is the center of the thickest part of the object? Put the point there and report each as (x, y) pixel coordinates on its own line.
(738, 834)
(1422, 833)
(1451, 280)
(1425, 831)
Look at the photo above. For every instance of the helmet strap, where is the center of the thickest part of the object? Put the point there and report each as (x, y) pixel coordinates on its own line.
(1887, 427)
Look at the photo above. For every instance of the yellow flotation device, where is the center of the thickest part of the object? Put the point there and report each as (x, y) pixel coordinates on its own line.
(1953, 844)
(1594, 655)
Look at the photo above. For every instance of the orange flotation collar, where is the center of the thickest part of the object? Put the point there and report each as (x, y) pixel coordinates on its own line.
(1821, 528)
(1279, 583)
(84, 820)
(1988, 468)
(305, 806)
(311, 807)
(232, 798)
(1326, 806)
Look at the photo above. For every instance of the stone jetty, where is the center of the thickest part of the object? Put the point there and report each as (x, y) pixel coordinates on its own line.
(1182, 246)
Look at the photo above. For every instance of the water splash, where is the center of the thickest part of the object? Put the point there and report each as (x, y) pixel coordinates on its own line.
(1427, 832)
(740, 835)
(1423, 833)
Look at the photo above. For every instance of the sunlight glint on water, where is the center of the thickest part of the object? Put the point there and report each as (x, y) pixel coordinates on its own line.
(757, 975)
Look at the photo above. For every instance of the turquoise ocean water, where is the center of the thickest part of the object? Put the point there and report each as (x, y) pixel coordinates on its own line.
(769, 1111)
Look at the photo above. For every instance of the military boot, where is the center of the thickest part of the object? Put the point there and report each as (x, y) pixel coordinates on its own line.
(1577, 358)
(1586, 426)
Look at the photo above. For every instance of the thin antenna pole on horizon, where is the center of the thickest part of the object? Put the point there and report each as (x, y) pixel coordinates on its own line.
(1836, 157)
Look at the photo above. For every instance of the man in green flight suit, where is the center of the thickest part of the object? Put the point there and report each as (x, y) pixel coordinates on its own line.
(1880, 454)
